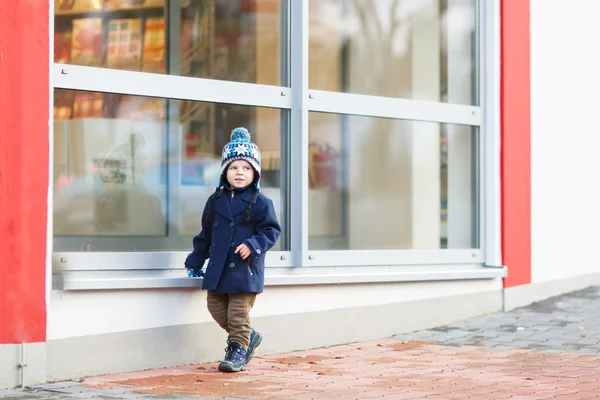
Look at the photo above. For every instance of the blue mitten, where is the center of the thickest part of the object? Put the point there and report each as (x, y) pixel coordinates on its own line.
(192, 273)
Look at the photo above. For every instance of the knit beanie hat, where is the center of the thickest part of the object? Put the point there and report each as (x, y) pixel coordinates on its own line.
(241, 148)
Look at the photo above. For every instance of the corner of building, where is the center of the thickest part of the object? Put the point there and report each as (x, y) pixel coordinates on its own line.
(24, 96)
(516, 147)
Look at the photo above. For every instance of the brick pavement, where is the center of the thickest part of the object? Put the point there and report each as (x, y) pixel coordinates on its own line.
(549, 350)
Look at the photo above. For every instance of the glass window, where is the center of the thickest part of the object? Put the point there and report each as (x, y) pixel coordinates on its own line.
(412, 49)
(415, 182)
(133, 173)
(228, 40)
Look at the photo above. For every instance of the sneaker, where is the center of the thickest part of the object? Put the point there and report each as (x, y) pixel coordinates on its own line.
(255, 339)
(235, 358)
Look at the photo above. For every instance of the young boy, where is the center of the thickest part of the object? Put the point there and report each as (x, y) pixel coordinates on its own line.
(239, 226)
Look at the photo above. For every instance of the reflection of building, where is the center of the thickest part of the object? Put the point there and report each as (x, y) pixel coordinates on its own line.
(411, 167)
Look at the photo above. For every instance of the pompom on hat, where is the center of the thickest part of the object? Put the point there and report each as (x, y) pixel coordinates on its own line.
(241, 147)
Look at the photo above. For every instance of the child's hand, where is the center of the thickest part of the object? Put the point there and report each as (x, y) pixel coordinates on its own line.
(244, 251)
(194, 273)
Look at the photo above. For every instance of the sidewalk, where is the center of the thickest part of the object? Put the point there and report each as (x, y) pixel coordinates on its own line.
(549, 350)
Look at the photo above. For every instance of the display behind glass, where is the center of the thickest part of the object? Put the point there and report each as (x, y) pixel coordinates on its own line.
(384, 184)
(133, 173)
(411, 49)
(229, 40)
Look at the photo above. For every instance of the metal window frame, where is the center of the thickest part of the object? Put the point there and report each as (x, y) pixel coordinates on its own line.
(300, 100)
(386, 107)
(103, 280)
(171, 87)
(299, 132)
(413, 110)
(151, 260)
(489, 50)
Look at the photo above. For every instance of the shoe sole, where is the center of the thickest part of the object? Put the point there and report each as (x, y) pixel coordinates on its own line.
(258, 342)
(223, 367)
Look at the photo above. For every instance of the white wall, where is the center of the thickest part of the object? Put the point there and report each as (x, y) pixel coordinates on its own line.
(565, 138)
(75, 314)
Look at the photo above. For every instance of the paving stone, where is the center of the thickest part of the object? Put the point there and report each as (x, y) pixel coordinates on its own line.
(423, 335)
(544, 351)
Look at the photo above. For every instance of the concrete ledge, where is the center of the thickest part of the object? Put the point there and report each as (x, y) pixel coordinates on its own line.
(199, 343)
(12, 355)
(521, 296)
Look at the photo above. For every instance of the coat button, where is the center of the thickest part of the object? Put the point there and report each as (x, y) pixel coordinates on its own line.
(231, 265)
(216, 224)
(231, 224)
(232, 244)
(258, 251)
(214, 245)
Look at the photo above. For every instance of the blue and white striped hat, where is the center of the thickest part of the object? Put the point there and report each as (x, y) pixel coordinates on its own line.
(241, 148)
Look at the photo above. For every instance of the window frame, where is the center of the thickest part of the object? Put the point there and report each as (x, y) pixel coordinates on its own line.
(299, 100)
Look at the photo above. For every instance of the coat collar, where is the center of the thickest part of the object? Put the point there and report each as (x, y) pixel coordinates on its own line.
(230, 207)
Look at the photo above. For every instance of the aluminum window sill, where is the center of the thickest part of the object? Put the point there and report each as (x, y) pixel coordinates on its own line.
(109, 280)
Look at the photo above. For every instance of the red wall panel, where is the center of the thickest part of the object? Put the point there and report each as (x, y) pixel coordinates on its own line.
(24, 152)
(516, 141)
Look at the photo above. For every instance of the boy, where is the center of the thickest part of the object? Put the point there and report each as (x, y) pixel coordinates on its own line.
(239, 226)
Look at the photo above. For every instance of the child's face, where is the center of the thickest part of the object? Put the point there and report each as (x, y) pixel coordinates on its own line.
(240, 174)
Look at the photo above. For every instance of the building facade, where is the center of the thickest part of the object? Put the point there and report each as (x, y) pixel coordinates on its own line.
(414, 151)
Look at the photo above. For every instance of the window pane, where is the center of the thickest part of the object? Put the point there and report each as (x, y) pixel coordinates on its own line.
(390, 184)
(133, 173)
(228, 40)
(413, 49)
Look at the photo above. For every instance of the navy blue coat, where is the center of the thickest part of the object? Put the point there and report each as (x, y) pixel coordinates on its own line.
(224, 231)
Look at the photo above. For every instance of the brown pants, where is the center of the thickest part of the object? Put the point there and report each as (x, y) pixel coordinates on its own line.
(232, 313)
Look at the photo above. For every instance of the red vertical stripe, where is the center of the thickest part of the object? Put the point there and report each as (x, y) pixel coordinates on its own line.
(24, 152)
(516, 141)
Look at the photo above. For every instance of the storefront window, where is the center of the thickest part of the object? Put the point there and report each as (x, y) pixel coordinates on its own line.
(384, 184)
(229, 40)
(412, 49)
(393, 130)
(133, 173)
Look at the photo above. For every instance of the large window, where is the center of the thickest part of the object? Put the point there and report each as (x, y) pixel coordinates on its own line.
(367, 114)
(133, 173)
(413, 49)
(389, 184)
(230, 40)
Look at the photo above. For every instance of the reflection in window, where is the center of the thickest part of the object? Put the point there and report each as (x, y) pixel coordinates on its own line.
(127, 177)
(412, 49)
(228, 40)
(414, 181)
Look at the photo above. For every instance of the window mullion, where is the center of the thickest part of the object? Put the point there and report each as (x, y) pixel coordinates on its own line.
(299, 132)
(490, 101)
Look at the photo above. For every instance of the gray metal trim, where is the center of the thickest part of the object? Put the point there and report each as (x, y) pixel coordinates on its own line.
(290, 276)
(434, 274)
(168, 86)
(491, 146)
(299, 132)
(322, 258)
(140, 261)
(385, 107)
(150, 262)
(68, 283)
